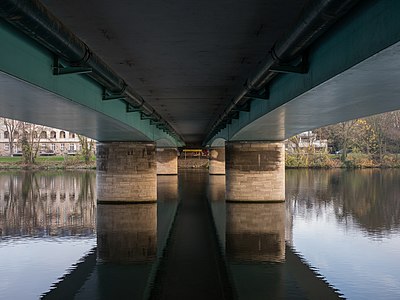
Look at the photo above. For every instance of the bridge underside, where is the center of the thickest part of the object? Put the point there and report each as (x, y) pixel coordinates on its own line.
(353, 72)
(189, 60)
(186, 58)
(23, 101)
(368, 88)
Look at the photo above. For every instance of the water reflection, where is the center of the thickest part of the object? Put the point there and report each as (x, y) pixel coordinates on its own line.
(216, 197)
(255, 232)
(47, 223)
(130, 243)
(167, 203)
(344, 223)
(368, 198)
(347, 225)
(47, 203)
(127, 233)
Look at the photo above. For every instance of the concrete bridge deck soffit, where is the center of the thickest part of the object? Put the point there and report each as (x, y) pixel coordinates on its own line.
(189, 73)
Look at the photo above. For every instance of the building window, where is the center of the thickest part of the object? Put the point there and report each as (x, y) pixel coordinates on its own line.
(62, 134)
(7, 146)
(43, 135)
(62, 147)
(53, 147)
(72, 147)
(53, 135)
(6, 135)
(16, 134)
(35, 135)
(43, 147)
(71, 135)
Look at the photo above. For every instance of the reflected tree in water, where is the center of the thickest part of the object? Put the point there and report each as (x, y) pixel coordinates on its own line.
(47, 203)
(368, 198)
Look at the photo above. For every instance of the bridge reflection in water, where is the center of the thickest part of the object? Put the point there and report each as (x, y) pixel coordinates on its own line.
(253, 237)
(133, 253)
(130, 239)
(47, 203)
(126, 233)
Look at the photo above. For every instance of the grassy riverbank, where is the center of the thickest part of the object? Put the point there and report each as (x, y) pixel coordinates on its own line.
(320, 160)
(47, 163)
(353, 161)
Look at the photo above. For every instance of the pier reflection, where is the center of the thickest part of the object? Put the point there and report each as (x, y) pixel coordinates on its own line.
(130, 243)
(167, 203)
(127, 233)
(216, 197)
(255, 232)
(255, 249)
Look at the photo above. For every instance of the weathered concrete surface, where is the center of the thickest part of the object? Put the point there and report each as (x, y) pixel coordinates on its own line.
(255, 231)
(167, 161)
(255, 171)
(126, 172)
(217, 161)
(126, 233)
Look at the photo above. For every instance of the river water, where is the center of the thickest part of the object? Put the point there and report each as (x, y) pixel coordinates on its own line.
(337, 235)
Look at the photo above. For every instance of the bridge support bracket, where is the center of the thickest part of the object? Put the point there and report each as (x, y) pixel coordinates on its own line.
(130, 108)
(153, 122)
(300, 68)
(260, 95)
(60, 69)
(234, 115)
(245, 107)
(143, 116)
(107, 95)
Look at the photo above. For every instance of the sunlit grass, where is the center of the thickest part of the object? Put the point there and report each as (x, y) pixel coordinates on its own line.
(45, 159)
(7, 159)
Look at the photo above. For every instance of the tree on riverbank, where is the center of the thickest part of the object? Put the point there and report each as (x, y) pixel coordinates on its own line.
(372, 141)
(86, 147)
(30, 141)
(11, 134)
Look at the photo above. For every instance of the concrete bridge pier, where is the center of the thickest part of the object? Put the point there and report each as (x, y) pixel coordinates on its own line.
(217, 161)
(126, 172)
(167, 161)
(255, 171)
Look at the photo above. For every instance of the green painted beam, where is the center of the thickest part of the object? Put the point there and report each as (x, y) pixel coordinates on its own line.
(29, 91)
(354, 71)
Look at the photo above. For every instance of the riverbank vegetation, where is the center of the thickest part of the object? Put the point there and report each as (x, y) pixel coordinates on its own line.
(353, 160)
(370, 142)
(362, 143)
(49, 162)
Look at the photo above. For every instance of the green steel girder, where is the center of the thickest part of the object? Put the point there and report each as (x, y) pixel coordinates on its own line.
(23, 62)
(360, 40)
